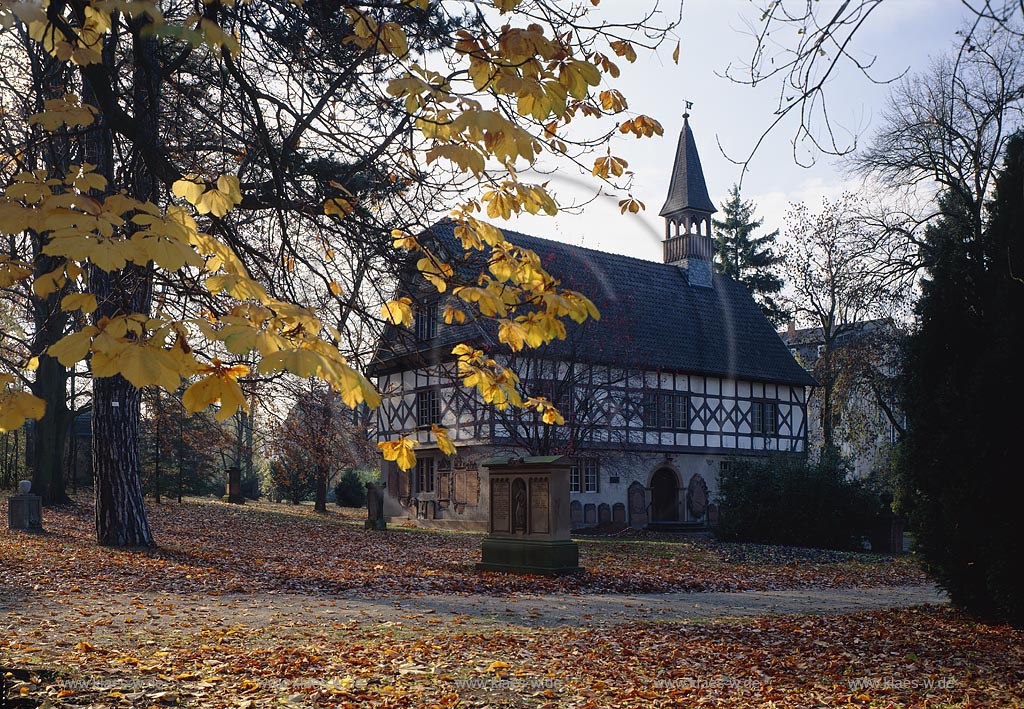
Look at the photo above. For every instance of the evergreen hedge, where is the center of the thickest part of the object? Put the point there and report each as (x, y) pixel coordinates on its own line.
(796, 502)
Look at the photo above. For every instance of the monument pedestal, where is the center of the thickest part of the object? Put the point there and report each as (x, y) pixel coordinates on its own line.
(234, 487)
(528, 527)
(25, 513)
(529, 556)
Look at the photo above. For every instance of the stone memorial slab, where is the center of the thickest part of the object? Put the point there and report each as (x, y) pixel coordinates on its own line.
(697, 497)
(501, 506)
(539, 513)
(374, 508)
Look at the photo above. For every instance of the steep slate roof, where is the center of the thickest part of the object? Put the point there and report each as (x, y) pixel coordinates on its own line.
(687, 190)
(651, 318)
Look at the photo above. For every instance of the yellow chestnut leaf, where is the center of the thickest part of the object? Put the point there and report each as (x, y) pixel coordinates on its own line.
(16, 406)
(86, 302)
(443, 438)
(220, 386)
(400, 451)
(398, 312)
(190, 188)
(74, 347)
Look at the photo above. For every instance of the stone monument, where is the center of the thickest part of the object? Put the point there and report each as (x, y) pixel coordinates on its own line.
(374, 508)
(234, 487)
(528, 526)
(25, 510)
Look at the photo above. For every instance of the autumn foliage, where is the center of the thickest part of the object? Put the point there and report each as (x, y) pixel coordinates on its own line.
(546, 77)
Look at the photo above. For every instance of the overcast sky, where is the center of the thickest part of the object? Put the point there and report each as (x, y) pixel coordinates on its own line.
(902, 34)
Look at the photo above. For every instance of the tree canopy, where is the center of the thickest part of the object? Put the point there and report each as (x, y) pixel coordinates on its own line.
(222, 193)
(747, 258)
(961, 476)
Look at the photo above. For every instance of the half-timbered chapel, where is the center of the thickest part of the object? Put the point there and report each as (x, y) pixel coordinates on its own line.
(681, 375)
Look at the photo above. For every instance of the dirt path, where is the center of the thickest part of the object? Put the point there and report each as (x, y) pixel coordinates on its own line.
(163, 611)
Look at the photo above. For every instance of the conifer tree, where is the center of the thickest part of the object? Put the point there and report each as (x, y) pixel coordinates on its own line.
(962, 476)
(749, 259)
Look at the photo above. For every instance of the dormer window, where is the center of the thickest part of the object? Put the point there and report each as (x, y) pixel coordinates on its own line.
(426, 321)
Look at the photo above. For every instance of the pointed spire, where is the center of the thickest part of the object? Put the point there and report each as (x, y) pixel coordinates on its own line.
(687, 211)
(687, 191)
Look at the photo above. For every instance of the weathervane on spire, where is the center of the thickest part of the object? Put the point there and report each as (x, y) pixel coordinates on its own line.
(686, 111)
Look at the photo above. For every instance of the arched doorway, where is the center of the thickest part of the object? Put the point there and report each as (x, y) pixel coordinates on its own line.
(664, 496)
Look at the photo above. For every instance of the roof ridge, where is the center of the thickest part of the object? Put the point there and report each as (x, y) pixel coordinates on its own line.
(506, 232)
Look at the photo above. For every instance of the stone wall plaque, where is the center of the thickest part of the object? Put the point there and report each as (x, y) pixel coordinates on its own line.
(501, 506)
(539, 506)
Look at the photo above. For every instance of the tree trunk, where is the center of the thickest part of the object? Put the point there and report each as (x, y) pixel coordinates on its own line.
(50, 432)
(51, 152)
(120, 509)
(117, 470)
(827, 404)
(158, 418)
(321, 489)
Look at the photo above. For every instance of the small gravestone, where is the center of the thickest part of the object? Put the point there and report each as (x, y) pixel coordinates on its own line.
(374, 508)
(575, 514)
(234, 487)
(637, 496)
(697, 497)
(25, 510)
(528, 526)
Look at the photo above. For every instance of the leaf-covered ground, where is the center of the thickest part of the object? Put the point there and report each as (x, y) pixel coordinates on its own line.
(212, 547)
(128, 657)
(245, 607)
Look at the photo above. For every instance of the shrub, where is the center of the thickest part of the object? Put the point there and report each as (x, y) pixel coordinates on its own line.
(350, 491)
(793, 501)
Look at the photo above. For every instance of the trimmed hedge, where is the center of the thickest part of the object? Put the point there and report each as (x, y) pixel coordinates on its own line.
(793, 501)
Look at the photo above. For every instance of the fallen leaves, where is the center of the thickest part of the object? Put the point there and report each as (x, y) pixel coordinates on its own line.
(236, 610)
(900, 658)
(211, 547)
